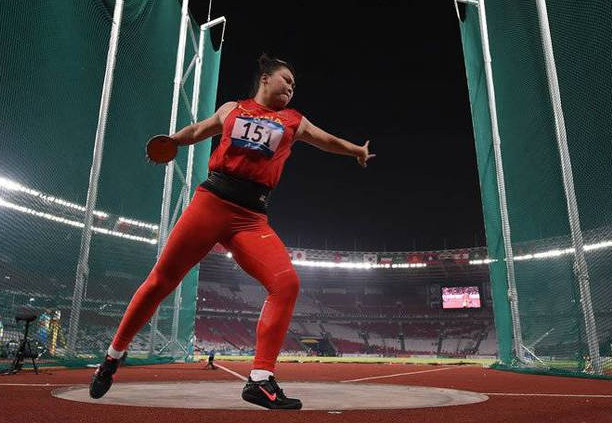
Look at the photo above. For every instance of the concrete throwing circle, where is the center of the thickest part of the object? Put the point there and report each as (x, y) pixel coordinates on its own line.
(314, 396)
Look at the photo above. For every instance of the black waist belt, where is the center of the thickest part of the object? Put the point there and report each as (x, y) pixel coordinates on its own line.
(249, 194)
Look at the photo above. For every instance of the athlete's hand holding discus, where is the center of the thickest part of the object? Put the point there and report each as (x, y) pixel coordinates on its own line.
(276, 91)
(327, 142)
(161, 149)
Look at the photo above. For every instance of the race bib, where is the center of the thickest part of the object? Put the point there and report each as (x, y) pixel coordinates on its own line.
(258, 134)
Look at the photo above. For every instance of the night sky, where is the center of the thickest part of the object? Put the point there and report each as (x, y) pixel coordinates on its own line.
(388, 71)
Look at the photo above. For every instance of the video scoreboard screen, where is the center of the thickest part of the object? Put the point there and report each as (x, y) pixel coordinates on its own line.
(460, 297)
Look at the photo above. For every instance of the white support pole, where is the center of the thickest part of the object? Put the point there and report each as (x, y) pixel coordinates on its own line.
(472, 2)
(195, 98)
(82, 272)
(212, 23)
(501, 186)
(167, 193)
(580, 265)
(194, 112)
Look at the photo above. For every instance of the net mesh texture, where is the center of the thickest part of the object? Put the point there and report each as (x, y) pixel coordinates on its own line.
(52, 77)
(551, 305)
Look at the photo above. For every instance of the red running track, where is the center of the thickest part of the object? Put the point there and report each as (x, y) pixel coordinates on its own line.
(25, 397)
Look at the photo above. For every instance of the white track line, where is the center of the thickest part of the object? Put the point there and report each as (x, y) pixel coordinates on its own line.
(547, 395)
(397, 374)
(38, 384)
(238, 375)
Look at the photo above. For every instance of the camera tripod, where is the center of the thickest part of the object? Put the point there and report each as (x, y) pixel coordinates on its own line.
(25, 351)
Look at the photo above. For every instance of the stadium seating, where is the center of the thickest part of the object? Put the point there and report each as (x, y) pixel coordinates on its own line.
(357, 320)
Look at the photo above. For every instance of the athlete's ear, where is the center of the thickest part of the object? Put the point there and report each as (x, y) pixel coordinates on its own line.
(264, 79)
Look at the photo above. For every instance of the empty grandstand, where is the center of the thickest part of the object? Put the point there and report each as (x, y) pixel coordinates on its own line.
(391, 307)
(349, 303)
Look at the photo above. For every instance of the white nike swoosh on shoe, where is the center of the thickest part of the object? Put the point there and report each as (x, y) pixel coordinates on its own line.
(266, 236)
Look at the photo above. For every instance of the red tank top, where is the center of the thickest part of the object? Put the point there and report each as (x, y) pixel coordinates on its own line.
(256, 142)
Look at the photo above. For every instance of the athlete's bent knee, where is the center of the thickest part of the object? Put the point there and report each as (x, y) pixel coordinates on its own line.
(289, 285)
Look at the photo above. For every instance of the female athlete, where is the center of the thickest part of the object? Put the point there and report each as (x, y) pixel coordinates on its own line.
(230, 208)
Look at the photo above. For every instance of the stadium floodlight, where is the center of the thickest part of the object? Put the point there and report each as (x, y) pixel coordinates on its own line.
(331, 264)
(7, 184)
(356, 265)
(546, 254)
(598, 246)
(408, 265)
(74, 223)
(483, 261)
(550, 253)
(10, 185)
(138, 223)
(13, 186)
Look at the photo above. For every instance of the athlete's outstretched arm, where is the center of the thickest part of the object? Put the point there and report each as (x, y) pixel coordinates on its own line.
(327, 142)
(204, 129)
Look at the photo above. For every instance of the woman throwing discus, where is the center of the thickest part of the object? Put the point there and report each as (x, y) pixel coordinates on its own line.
(230, 208)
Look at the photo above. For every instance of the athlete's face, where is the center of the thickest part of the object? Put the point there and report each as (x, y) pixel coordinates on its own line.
(279, 87)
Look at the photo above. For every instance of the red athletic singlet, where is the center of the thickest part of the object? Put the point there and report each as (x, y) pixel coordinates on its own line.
(256, 142)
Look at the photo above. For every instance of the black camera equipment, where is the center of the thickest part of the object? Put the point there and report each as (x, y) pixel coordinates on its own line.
(25, 350)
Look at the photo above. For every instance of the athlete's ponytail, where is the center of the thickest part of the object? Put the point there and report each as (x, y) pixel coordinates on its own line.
(268, 65)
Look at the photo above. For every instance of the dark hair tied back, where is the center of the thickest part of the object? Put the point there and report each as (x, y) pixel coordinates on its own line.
(268, 65)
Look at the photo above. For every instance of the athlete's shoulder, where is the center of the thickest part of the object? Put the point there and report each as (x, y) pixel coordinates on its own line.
(225, 109)
(228, 106)
(294, 113)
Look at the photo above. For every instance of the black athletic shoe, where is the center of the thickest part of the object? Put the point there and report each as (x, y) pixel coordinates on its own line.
(103, 377)
(267, 393)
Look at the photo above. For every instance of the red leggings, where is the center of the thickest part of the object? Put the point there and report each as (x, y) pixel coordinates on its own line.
(256, 248)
